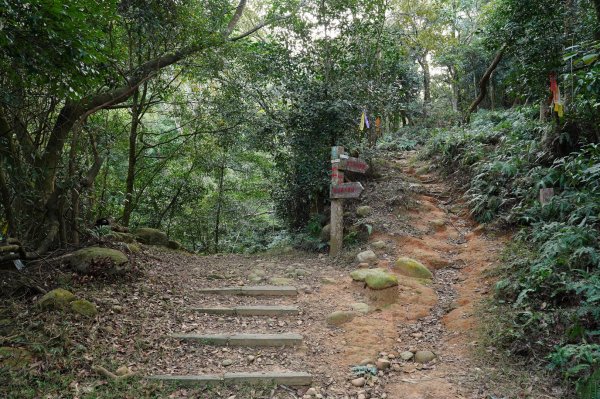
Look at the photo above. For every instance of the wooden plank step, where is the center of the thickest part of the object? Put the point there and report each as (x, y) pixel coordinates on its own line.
(260, 290)
(252, 310)
(286, 339)
(283, 378)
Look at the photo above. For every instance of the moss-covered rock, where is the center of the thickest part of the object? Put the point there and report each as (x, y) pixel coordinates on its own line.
(14, 358)
(366, 256)
(149, 236)
(378, 245)
(84, 308)
(361, 274)
(363, 211)
(99, 260)
(56, 299)
(340, 317)
(121, 237)
(134, 248)
(412, 268)
(174, 244)
(381, 280)
(360, 307)
(329, 281)
(424, 356)
(280, 281)
(376, 279)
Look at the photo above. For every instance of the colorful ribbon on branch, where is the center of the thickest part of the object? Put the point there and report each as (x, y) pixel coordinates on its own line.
(364, 121)
(557, 101)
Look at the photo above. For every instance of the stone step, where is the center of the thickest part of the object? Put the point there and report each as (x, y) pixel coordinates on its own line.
(251, 310)
(283, 378)
(286, 339)
(261, 290)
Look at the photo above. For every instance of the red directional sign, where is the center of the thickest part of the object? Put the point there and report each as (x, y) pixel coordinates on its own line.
(347, 190)
(354, 165)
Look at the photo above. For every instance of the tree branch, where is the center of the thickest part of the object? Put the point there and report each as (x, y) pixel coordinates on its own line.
(236, 18)
(484, 81)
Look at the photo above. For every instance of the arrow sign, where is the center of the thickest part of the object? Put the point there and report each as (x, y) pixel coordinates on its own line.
(354, 165)
(346, 190)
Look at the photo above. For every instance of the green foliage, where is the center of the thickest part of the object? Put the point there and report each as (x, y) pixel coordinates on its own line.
(392, 142)
(58, 44)
(551, 278)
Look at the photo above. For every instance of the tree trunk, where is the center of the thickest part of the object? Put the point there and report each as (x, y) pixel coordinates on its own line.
(543, 110)
(426, 82)
(484, 82)
(130, 181)
(492, 93)
(597, 8)
(74, 235)
(455, 95)
(219, 201)
(6, 202)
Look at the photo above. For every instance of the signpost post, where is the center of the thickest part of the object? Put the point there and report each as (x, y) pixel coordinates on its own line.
(340, 190)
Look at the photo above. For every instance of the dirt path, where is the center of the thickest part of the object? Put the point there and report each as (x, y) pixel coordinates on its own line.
(414, 214)
(441, 317)
(438, 317)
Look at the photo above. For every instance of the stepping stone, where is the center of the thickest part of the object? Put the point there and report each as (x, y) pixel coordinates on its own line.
(286, 339)
(261, 290)
(289, 378)
(252, 310)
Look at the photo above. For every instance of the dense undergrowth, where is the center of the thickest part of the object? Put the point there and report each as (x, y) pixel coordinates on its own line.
(550, 286)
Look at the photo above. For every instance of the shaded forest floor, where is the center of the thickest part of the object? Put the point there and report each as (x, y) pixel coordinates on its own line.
(415, 213)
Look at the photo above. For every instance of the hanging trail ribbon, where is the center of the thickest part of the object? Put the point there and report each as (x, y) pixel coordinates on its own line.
(361, 126)
(556, 99)
(367, 121)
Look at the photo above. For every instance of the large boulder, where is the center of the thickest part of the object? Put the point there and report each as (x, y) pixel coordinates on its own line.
(99, 260)
(149, 236)
(84, 308)
(56, 299)
(376, 279)
(412, 268)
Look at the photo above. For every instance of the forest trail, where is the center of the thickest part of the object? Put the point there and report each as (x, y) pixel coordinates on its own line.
(441, 318)
(416, 215)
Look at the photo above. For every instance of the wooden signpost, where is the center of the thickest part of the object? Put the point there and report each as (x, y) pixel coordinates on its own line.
(340, 190)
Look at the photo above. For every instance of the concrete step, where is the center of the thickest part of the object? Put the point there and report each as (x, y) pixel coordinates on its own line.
(251, 310)
(261, 290)
(286, 339)
(283, 378)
